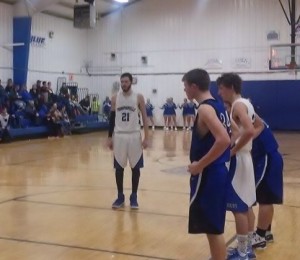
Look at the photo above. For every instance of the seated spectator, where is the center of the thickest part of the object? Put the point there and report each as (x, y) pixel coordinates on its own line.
(4, 123)
(2, 96)
(66, 125)
(25, 95)
(31, 113)
(54, 118)
(34, 94)
(95, 106)
(86, 104)
(44, 91)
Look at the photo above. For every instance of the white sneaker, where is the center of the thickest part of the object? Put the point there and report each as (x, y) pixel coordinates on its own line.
(175, 128)
(153, 127)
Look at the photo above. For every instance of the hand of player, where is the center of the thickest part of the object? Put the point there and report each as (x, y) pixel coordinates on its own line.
(109, 143)
(145, 143)
(195, 168)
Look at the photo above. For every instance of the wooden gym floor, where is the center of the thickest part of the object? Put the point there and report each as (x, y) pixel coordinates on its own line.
(56, 196)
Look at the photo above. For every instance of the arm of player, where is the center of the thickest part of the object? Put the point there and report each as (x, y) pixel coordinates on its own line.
(208, 118)
(258, 126)
(111, 122)
(240, 114)
(235, 132)
(142, 108)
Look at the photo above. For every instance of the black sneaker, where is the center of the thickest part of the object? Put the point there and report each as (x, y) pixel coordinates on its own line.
(269, 237)
(258, 242)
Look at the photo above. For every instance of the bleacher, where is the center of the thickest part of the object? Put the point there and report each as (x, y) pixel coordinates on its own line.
(83, 122)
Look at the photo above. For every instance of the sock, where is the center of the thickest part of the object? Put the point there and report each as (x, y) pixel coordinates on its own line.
(119, 180)
(135, 179)
(261, 232)
(250, 236)
(242, 244)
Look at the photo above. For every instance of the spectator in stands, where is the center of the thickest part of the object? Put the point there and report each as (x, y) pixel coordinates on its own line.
(95, 106)
(31, 113)
(2, 95)
(106, 107)
(50, 92)
(54, 118)
(42, 112)
(34, 94)
(86, 104)
(44, 91)
(4, 122)
(9, 86)
(38, 86)
(66, 125)
(24, 94)
(9, 89)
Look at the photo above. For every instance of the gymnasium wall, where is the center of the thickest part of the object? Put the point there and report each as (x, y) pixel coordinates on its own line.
(6, 36)
(60, 56)
(175, 36)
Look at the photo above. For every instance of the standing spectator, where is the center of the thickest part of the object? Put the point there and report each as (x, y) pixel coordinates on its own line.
(106, 107)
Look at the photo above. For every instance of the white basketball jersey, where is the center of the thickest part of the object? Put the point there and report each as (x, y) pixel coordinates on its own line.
(251, 115)
(127, 113)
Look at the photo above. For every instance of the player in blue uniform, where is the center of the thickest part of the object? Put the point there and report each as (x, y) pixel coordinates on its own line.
(268, 169)
(208, 154)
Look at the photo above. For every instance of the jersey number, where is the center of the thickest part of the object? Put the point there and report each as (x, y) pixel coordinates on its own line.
(125, 117)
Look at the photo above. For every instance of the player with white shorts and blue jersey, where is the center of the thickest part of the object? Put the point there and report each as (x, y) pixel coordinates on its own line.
(125, 139)
(210, 150)
(241, 191)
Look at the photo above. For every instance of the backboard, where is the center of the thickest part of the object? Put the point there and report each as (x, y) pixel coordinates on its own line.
(284, 57)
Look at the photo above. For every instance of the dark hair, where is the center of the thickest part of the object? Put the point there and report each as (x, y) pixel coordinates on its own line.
(198, 77)
(127, 75)
(231, 80)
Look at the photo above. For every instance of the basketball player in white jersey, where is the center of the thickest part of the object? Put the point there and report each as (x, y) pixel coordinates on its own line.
(124, 137)
(241, 192)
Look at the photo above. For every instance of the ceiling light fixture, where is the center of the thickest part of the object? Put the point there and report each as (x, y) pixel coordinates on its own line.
(122, 1)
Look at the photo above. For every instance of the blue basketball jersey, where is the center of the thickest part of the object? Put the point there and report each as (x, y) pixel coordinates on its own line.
(264, 143)
(202, 144)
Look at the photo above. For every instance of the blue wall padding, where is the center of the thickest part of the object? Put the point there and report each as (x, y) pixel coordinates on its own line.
(21, 34)
(276, 101)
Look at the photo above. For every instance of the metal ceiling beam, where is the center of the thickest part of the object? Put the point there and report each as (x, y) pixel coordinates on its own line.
(118, 9)
(58, 15)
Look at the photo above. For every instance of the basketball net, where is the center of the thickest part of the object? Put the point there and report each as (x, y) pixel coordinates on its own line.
(292, 68)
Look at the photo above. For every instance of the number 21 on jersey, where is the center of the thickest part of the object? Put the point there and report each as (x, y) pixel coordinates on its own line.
(125, 117)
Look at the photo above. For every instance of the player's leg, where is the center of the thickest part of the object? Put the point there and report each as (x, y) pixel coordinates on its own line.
(217, 246)
(120, 143)
(135, 156)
